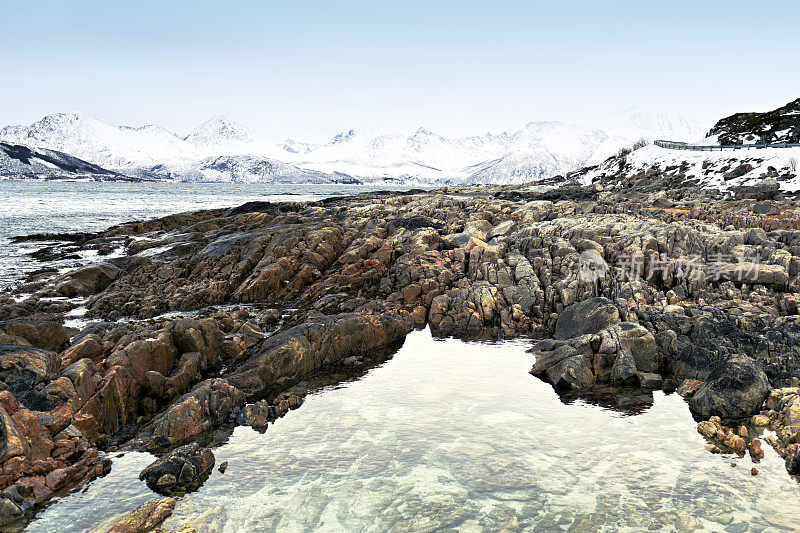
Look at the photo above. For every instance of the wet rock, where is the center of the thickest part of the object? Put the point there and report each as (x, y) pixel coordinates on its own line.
(12, 505)
(182, 470)
(735, 443)
(635, 340)
(318, 342)
(589, 316)
(650, 381)
(735, 389)
(793, 459)
(623, 371)
(711, 428)
(146, 517)
(257, 415)
(688, 387)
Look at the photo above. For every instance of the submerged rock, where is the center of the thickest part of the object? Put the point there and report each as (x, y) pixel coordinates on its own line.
(146, 517)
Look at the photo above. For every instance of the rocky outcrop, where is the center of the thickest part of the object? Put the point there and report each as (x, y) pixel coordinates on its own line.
(181, 470)
(635, 283)
(259, 414)
(622, 354)
(591, 346)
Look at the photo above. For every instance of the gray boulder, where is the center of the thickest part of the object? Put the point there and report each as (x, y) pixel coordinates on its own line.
(588, 316)
(182, 470)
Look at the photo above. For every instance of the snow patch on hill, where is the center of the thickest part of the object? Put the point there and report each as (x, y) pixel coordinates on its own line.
(721, 169)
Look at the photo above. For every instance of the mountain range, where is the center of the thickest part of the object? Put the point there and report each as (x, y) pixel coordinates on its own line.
(222, 150)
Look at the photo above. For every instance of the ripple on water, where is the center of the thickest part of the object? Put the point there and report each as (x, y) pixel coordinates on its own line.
(450, 435)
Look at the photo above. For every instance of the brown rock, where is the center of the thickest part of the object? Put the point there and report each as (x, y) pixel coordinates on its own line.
(88, 280)
(49, 336)
(735, 443)
(756, 453)
(688, 387)
(207, 406)
(90, 347)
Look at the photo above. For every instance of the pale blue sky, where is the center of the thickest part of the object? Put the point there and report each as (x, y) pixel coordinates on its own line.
(307, 69)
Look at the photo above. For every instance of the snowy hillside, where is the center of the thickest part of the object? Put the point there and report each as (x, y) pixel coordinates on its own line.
(250, 169)
(721, 169)
(222, 150)
(780, 125)
(18, 162)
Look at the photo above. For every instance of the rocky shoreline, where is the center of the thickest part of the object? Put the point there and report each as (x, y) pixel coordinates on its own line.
(210, 319)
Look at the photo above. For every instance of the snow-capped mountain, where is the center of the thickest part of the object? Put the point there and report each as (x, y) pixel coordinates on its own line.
(222, 150)
(385, 153)
(633, 122)
(220, 135)
(114, 147)
(539, 149)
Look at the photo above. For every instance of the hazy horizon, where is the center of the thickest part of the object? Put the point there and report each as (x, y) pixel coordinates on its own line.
(458, 68)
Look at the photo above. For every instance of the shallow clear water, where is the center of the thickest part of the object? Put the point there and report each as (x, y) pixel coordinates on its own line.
(454, 435)
(57, 206)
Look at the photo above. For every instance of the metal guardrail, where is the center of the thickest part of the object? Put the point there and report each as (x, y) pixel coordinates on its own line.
(707, 148)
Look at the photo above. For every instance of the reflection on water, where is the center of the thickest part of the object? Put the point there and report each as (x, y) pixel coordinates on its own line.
(454, 435)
